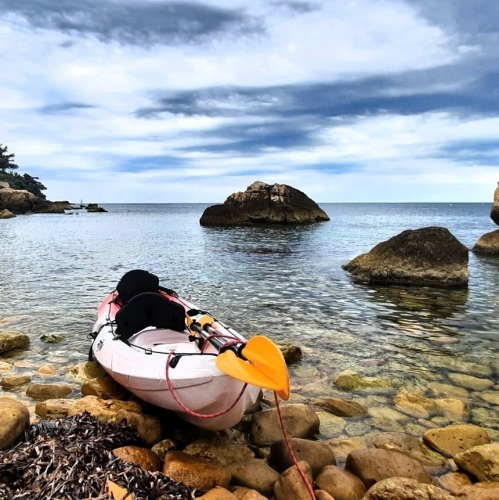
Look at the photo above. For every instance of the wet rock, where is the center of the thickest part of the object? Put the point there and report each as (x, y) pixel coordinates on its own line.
(104, 388)
(254, 474)
(299, 421)
(83, 372)
(415, 405)
(52, 338)
(317, 454)
(342, 447)
(291, 485)
(480, 461)
(330, 425)
(350, 379)
(104, 410)
(194, 471)
(220, 451)
(5, 367)
(242, 493)
(264, 204)
(488, 244)
(11, 382)
(386, 418)
(13, 340)
(341, 407)
(6, 214)
(52, 207)
(455, 438)
(340, 484)
(94, 207)
(218, 493)
(148, 426)
(400, 488)
(373, 465)
(452, 408)
(429, 256)
(48, 391)
(292, 353)
(491, 397)
(46, 370)
(54, 408)
(439, 389)
(163, 447)
(470, 382)
(144, 458)
(14, 418)
(453, 482)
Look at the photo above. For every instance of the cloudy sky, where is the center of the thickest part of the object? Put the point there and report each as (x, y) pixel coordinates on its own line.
(180, 101)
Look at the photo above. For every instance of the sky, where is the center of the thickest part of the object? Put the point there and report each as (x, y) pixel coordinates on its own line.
(135, 101)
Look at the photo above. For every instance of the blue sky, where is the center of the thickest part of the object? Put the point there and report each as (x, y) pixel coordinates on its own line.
(161, 101)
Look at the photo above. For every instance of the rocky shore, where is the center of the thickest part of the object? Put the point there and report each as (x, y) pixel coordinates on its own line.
(455, 459)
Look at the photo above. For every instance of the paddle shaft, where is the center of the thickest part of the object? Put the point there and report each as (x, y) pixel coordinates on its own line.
(207, 332)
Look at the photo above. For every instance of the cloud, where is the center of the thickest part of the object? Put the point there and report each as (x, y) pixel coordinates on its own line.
(64, 107)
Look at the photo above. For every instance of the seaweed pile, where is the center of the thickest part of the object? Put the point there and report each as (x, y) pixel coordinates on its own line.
(71, 458)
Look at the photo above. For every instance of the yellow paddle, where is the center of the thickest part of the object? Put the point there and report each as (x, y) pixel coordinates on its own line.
(258, 362)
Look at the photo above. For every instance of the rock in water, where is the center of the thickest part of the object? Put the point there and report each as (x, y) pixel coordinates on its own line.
(494, 214)
(264, 204)
(488, 243)
(430, 256)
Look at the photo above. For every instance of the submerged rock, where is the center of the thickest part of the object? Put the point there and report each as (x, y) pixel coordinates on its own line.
(264, 204)
(429, 256)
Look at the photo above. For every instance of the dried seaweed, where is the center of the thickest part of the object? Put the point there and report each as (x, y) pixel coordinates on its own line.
(71, 458)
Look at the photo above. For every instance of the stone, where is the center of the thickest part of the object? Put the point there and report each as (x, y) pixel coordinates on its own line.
(488, 244)
(317, 454)
(429, 256)
(373, 465)
(342, 447)
(340, 484)
(255, 474)
(104, 388)
(218, 493)
(83, 372)
(220, 451)
(144, 458)
(104, 410)
(18, 201)
(447, 390)
(14, 418)
(148, 426)
(264, 204)
(480, 461)
(480, 491)
(341, 407)
(470, 382)
(292, 353)
(455, 438)
(94, 207)
(290, 484)
(453, 482)
(163, 447)
(299, 420)
(195, 472)
(401, 488)
(6, 214)
(452, 408)
(415, 405)
(11, 382)
(350, 379)
(52, 207)
(13, 340)
(48, 391)
(322, 495)
(54, 408)
(330, 425)
(242, 493)
(46, 370)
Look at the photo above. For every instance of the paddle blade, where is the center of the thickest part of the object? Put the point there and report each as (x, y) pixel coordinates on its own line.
(265, 366)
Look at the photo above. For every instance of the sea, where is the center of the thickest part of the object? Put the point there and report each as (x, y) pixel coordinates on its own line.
(283, 282)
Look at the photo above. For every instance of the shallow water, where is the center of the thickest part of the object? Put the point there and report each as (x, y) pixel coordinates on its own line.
(284, 282)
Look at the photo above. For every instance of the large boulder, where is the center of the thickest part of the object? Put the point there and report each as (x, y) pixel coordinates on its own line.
(488, 243)
(264, 204)
(430, 256)
(494, 214)
(18, 201)
(14, 418)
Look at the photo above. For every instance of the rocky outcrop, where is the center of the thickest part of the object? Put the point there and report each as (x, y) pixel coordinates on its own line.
(52, 207)
(488, 244)
(93, 207)
(264, 204)
(18, 201)
(494, 214)
(429, 256)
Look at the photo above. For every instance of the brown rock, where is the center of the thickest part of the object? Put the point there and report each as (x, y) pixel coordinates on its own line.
(46, 370)
(291, 353)
(488, 243)
(455, 438)
(13, 340)
(291, 485)
(144, 458)
(480, 461)
(104, 410)
(83, 372)
(372, 465)
(341, 407)
(10, 382)
(342, 447)
(148, 427)
(221, 451)
(48, 391)
(218, 493)
(254, 474)
(315, 453)
(14, 418)
(340, 484)
(242, 493)
(54, 408)
(104, 388)
(454, 481)
(264, 204)
(480, 491)
(494, 214)
(194, 471)
(163, 447)
(322, 495)
(6, 214)
(430, 256)
(18, 201)
(400, 488)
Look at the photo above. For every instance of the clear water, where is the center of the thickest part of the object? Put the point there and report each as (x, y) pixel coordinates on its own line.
(284, 282)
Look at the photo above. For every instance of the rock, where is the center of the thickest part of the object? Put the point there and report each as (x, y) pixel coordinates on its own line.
(46, 370)
(322, 495)
(48, 391)
(195, 472)
(470, 382)
(52, 338)
(494, 214)
(54, 408)
(11, 382)
(144, 458)
(350, 379)
(255, 474)
(342, 447)
(264, 204)
(315, 453)
(18, 201)
(104, 410)
(341, 407)
(430, 256)
(5, 367)
(14, 418)
(93, 207)
(372, 465)
(340, 484)
(4, 185)
(6, 214)
(84, 372)
(148, 427)
(290, 484)
(220, 451)
(104, 388)
(489, 242)
(218, 493)
(292, 353)
(52, 207)
(13, 340)
(480, 461)
(452, 408)
(453, 482)
(330, 425)
(400, 488)
(163, 447)
(455, 438)
(299, 420)
(415, 405)
(480, 491)
(242, 493)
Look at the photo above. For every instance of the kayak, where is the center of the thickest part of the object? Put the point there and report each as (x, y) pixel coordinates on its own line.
(164, 350)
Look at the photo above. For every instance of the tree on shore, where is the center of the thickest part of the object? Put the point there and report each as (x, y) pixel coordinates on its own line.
(15, 180)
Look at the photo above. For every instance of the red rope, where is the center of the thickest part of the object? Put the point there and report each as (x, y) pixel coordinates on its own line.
(290, 450)
(191, 412)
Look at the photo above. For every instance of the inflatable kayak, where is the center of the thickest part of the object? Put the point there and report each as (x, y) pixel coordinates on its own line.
(169, 353)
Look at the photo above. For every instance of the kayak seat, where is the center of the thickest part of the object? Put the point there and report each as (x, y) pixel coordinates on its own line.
(136, 282)
(149, 309)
